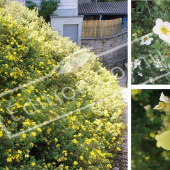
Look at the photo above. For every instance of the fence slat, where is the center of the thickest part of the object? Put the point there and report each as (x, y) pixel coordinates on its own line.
(101, 28)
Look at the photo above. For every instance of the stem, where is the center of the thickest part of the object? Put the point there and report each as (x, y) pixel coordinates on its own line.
(149, 11)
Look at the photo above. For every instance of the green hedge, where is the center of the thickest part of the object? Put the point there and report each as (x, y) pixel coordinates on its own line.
(86, 139)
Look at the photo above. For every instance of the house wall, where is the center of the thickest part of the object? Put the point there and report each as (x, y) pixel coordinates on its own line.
(100, 45)
(20, 1)
(58, 24)
(67, 8)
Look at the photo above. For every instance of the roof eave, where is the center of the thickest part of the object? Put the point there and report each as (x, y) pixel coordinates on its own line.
(102, 13)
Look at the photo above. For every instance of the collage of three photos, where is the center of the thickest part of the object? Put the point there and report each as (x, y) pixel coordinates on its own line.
(84, 85)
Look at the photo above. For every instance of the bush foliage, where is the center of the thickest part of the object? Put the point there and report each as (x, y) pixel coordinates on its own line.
(86, 139)
(154, 57)
(146, 123)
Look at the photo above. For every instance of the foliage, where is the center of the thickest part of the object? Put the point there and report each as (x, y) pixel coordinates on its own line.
(144, 16)
(88, 138)
(31, 5)
(46, 9)
(146, 124)
(2, 3)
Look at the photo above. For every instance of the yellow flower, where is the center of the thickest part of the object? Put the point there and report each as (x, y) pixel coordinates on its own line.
(19, 95)
(24, 135)
(75, 141)
(9, 122)
(33, 134)
(110, 166)
(27, 156)
(11, 74)
(19, 151)
(48, 130)
(1, 134)
(56, 140)
(163, 140)
(75, 163)
(39, 129)
(152, 135)
(33, 163)
(134, 91)
(9, 159)
(81, 157)
(118, 149)
(93, 154)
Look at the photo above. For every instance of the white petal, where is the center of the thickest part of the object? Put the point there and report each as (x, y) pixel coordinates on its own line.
(168, 38)
(159, 21)
(164, 98)
(157, 29)
(167, 25)
(161, 36)
(157, 107)
(148, 42)
(142, 43)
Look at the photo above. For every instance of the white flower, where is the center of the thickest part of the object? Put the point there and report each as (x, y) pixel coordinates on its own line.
(140, 74)
(157, 61)
(164, 98)
(137, 63)
(158, 65)
(162, 69)
(151, 79)
(146, 40)
(134, 34)
(162, 29)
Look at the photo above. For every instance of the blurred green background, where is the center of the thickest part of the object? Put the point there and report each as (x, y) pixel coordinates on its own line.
(146, 123)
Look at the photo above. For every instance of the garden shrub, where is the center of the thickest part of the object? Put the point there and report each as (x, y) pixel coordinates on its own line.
(86, 139)
(149, 60)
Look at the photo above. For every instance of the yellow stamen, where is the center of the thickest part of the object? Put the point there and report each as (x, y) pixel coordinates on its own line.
(145, 38)
(164, 30)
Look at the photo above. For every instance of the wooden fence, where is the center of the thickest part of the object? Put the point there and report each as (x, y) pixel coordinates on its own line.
(101, 28)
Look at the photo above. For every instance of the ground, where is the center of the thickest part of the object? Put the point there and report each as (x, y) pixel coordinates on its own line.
(122, 157)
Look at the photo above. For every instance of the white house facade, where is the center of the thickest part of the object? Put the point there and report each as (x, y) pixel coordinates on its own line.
(66, 21)
(67, 8)
(20, 1)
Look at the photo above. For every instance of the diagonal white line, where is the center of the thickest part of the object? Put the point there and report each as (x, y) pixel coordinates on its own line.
(161, 76)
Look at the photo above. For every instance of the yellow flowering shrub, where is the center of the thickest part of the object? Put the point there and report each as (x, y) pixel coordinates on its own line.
(88, 137)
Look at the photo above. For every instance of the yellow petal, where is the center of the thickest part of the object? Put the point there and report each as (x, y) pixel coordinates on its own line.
(164, 140)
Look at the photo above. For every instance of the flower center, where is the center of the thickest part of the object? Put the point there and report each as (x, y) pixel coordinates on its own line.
(165, 54)
(164, 30)
(145, 38)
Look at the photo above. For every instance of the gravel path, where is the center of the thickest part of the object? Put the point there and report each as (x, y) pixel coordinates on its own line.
(122, 157)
